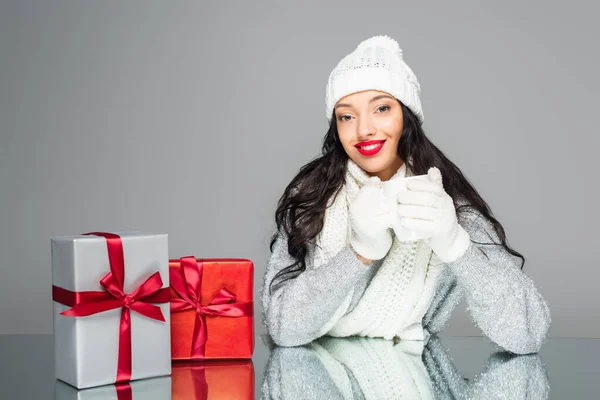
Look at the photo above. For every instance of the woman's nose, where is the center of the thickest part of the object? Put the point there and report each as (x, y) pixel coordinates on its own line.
(366, 128)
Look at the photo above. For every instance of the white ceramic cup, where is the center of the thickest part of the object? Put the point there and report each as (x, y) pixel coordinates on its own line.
(391, 188)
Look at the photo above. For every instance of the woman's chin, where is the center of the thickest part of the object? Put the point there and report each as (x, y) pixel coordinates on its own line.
(372, 166)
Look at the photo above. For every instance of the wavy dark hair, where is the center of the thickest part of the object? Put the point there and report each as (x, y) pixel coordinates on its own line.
(301, 209)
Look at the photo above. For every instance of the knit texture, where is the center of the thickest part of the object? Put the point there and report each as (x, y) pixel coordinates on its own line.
(364, 368)
(397, 298)
(501, 299)
(377, 63)
(387, 308)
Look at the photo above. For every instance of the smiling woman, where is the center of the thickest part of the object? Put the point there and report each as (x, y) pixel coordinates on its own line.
(339, 264)
(370, 123)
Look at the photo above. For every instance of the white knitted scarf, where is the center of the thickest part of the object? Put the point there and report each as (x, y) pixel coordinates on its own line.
(399, 294)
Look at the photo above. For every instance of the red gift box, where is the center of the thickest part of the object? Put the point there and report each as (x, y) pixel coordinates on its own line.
(211, 308)
(213, 380)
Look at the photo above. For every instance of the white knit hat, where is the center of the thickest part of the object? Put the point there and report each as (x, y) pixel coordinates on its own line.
(375, 64)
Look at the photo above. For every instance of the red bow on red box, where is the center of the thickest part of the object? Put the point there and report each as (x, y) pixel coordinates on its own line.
(187, 282)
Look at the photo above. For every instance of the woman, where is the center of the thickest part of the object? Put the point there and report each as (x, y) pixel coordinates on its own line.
(338, 269)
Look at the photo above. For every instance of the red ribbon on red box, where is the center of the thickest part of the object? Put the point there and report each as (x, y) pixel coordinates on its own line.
(88, 303)
(187, 282)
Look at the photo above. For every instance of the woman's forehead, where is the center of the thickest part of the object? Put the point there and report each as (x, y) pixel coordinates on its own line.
(362, 96)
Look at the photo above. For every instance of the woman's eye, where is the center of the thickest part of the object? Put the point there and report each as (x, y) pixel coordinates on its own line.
(385, 108)
(341, 118)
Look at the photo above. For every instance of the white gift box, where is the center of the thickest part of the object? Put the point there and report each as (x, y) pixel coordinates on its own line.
(145, 389)
(87, 348)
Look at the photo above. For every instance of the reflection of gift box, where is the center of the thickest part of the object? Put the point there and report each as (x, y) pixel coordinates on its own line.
(213, 380)
(211, 308)
(144, 389)
(111, 308)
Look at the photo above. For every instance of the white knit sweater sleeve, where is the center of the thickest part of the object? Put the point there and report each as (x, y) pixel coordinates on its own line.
(297, 310)
(502, 300)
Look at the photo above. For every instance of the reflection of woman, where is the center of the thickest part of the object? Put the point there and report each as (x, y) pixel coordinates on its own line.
(365, 368)
(337, 268)
(505, 376)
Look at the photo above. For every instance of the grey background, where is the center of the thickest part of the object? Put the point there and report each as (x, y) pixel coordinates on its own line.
(190, 118)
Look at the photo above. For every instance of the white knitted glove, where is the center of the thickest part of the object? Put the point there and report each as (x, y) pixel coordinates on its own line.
(370, 221)
(426, 207)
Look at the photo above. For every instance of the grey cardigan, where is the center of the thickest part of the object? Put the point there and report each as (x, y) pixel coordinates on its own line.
(502, 300)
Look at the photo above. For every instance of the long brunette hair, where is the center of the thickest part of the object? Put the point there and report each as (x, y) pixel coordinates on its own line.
(301, 208)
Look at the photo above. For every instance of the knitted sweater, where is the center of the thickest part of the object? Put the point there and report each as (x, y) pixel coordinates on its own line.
(397, 298)
(502, 300)
(364, 369)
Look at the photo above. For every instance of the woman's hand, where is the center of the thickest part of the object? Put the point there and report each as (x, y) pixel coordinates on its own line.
(370, 219)
(426, 207)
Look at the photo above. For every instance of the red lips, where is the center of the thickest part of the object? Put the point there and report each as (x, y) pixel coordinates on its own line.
(371, 152)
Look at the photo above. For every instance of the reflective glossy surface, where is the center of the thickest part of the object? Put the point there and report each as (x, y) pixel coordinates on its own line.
(359, 368)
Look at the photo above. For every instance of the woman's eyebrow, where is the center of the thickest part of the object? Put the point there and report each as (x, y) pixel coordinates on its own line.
(381, 96)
